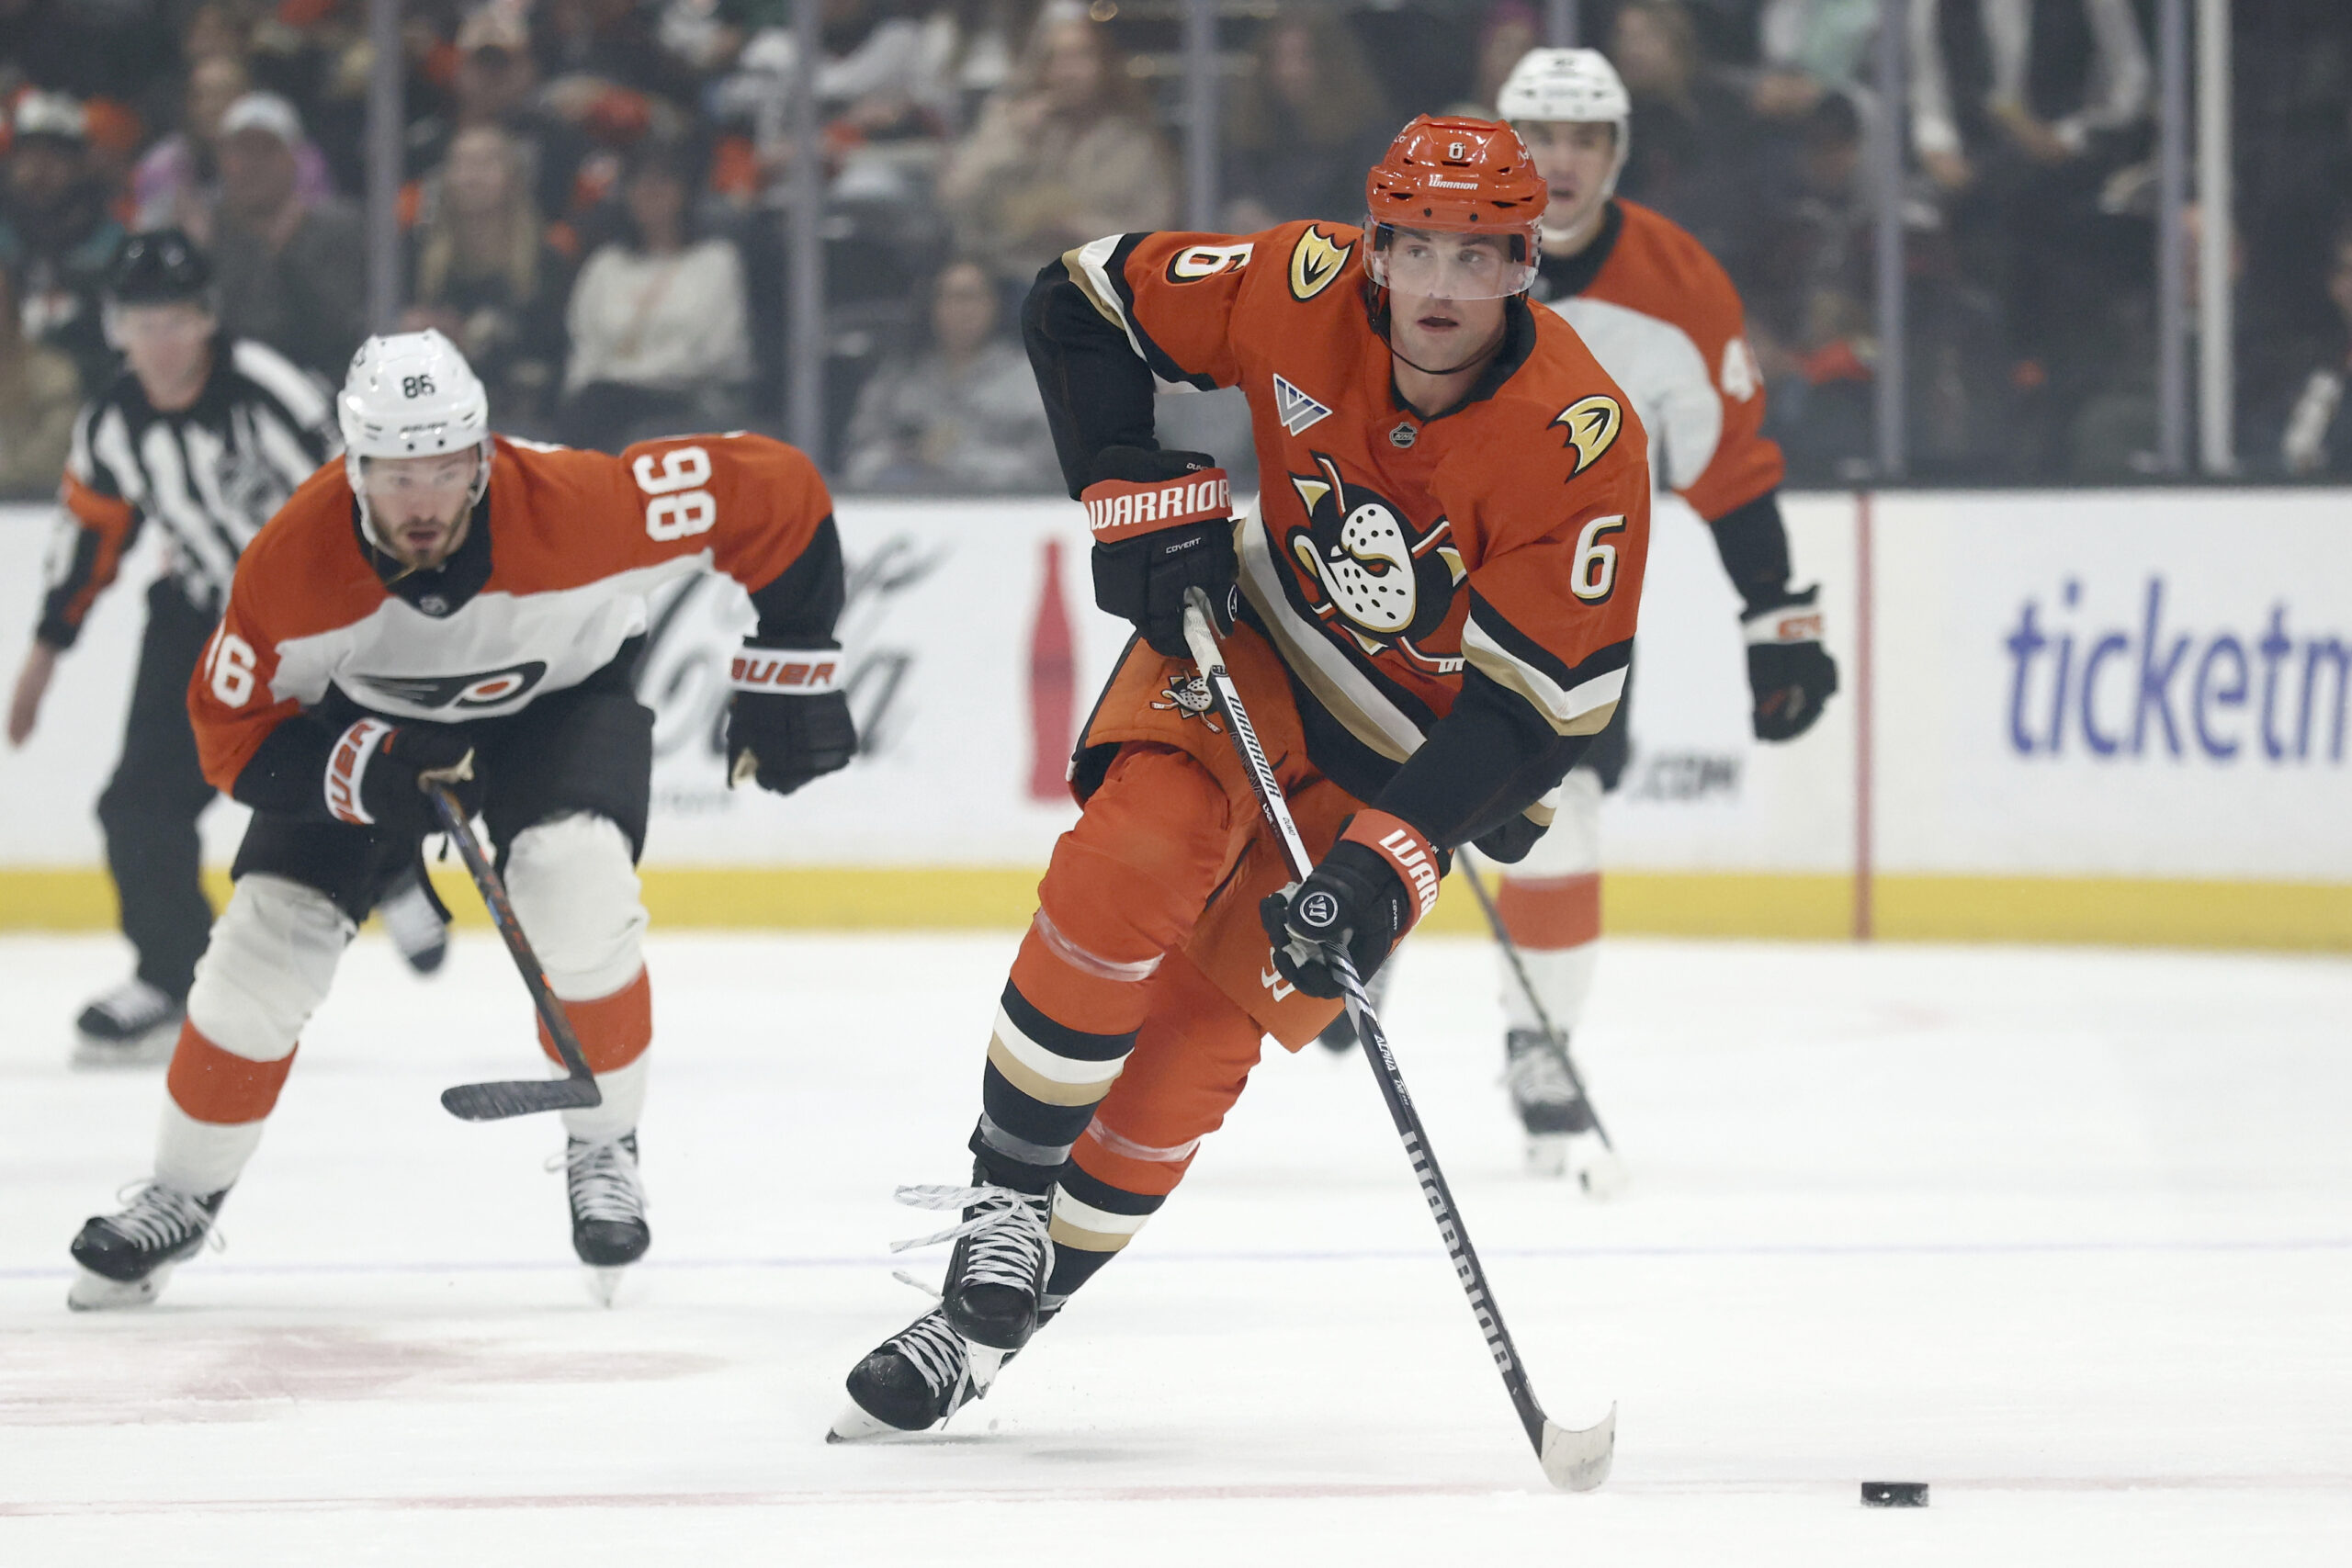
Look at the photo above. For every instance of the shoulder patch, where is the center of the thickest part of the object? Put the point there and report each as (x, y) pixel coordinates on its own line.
(1592, 425)
(1194, 263)
(1295, 408)
(1315, 261)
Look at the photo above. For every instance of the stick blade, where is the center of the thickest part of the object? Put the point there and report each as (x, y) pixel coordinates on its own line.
(524, 1096)
(1578, 1460)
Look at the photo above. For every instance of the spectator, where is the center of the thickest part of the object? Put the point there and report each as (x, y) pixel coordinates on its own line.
(2040, 80)
(1298, 141)
(877, 75)
(178, 180)
(293, 274)
(1510, 31)
(1067, 156)
(964, 417)
(483, 272)
(56, 240)
(1811, 48)
(40, 394)
(495, 81)
(657, 319)
(1690, 131)
(2318, 436)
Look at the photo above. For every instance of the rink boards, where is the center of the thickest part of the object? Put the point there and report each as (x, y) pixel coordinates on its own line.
(2109, 716)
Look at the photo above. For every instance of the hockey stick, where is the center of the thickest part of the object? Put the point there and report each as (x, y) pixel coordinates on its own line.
(1527, 988)
(1573, 1459)
(496, 1101)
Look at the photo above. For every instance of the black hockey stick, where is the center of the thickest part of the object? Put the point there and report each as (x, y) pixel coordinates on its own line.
(496, 1101)
(1576, 1459)
(1527, 988)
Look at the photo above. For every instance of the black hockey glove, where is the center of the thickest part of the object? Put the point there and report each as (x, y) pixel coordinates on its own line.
(789, 720)
(377, 772)
(1163, 526)
(1789, 672)
(1375, 886)
(1512, 843)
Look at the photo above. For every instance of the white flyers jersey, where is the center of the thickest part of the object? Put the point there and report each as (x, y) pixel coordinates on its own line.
(1664, 322)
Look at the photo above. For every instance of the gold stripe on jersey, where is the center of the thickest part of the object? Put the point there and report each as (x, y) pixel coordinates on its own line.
(1583, 709)
(1088, 265)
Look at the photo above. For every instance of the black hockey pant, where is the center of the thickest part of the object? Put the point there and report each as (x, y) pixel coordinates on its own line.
(149, 808)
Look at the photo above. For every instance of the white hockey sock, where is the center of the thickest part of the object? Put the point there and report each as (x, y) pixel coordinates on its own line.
(624, 1091)
(202, 1158)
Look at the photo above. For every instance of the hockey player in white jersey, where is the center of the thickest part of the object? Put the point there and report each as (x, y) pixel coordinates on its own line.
(1664, 319)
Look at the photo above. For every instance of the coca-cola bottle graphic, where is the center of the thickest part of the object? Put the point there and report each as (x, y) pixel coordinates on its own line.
(1053, 686)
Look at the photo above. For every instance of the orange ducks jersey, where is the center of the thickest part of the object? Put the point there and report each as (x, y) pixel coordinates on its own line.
(548, 585)
(1391, 552)
(1663, 319)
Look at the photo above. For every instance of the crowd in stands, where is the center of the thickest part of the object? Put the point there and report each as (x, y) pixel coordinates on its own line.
(594, 201)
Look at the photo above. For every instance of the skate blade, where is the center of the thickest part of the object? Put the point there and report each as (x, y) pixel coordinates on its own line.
(984, 1362)
(603, 1284)
(96, 1293)
(151, 1049)
(854, 1425)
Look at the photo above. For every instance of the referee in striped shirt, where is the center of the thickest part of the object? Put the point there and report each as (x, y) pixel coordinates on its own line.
(203, 437)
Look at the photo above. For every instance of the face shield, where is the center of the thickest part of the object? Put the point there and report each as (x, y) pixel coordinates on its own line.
(1448, 265)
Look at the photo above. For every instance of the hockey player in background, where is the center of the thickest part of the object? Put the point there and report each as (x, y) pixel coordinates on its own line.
(1434, 618)
(202, 437)
(1664, 322)
(446, 607)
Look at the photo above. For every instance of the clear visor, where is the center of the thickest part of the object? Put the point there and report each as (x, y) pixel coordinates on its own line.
(1438, 265)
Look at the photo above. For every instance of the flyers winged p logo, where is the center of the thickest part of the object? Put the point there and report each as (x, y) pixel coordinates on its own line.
(1592, 425)
(1315, 261)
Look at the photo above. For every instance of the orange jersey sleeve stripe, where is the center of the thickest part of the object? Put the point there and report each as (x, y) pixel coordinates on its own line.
(109, 517)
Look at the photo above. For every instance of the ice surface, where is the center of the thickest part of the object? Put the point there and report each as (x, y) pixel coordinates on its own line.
(2067, 1234)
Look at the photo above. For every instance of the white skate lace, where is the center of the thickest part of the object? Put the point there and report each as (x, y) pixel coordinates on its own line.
(1537, 1073)
(934, 1349)
(1009, 1242)
(134, 1006)
(603, 1178)
(159, 1218)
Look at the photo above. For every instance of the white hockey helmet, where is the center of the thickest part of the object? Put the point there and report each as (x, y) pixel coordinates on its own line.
(1578, 86)
(411, 395)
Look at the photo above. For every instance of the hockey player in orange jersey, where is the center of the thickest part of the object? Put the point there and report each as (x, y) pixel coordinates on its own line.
(449, 606)
(1428, 621)
(1664, 319)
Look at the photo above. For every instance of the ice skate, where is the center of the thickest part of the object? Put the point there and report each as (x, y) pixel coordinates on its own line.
(416, 924)
(1562, 1139)
(910, 1382)
(608, 1228)
(996, 1276)
(135, 1025)
(126, 1258)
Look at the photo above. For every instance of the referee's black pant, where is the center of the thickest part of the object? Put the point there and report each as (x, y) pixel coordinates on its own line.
(149, 806)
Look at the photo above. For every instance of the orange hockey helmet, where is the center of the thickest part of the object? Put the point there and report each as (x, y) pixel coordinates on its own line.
(1452, 175)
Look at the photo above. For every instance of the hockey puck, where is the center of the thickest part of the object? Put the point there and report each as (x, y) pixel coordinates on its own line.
(1894, 1493)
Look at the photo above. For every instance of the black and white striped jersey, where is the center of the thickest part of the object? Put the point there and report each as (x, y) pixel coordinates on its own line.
(209, 475)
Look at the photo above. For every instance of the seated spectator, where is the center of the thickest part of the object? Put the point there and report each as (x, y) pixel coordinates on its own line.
(964, 417)
(1690, 135)
(2318, 436)
(40, 394)
(877, 76)
(293, 274)
(657, 319)
(496, 81)
(2073, 73)
(1069, 154)
(178, 180)
(1811, 49)
(481, 270)
(1299, 139)
(56, 241)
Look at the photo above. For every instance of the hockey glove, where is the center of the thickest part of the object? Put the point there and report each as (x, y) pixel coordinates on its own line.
(1789, 672)
(1163, 526)
(1376, 883)
(378, 770)
(789, 720)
